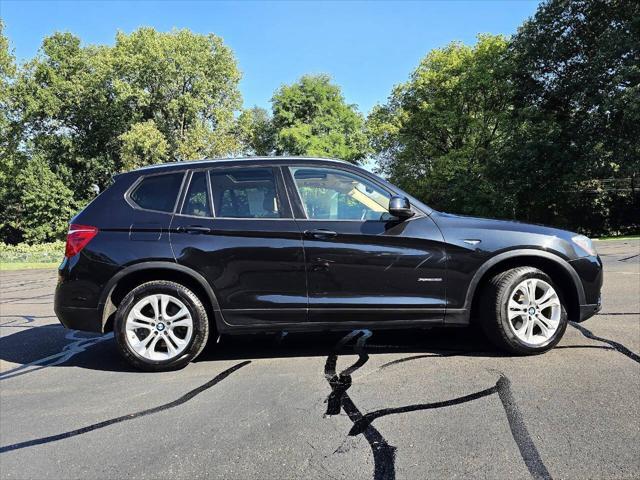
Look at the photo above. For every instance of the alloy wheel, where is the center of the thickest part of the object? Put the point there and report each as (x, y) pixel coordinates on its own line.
(159, 327)
(534, 311)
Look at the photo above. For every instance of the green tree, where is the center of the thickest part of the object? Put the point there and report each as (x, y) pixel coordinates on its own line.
(439, 133)
(87, 108)
(71, 120)
(186, 83)
(312, 118)
(143, 145)
(7, 73)
(256, 132)
(9, 128)
(87, 112)
(40, 205)
(577, 109)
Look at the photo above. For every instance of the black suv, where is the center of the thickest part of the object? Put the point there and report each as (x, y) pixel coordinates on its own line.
(170, 254)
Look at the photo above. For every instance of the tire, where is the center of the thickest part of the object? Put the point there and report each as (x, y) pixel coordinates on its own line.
(523, 333)
(157, 304)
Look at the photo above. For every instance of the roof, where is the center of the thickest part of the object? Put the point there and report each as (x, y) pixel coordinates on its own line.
(192, 163)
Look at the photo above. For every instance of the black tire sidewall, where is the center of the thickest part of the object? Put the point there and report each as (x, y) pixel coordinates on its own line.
(503, 315)
(198, 315)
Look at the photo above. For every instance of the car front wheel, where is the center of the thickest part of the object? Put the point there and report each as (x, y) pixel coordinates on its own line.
(522, 311)
(161, 325)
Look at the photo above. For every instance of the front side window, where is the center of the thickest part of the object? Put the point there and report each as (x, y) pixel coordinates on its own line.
(158, 192)
(245, 193)
(330, 194)
(196, 202)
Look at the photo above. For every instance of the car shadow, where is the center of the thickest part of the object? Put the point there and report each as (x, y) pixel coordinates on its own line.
(459, 341)
(55, 346)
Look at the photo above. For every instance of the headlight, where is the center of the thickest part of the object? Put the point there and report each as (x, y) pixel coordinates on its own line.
(585, 244)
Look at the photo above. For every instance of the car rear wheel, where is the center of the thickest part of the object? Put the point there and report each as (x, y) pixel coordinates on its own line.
(161, 325)
(522, 311)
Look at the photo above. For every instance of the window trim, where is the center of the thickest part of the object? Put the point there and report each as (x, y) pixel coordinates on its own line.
(141, 178)
(349, 171)
(185, 190)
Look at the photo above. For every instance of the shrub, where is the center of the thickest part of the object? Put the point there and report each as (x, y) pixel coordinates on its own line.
(38, 253)
(39, 205)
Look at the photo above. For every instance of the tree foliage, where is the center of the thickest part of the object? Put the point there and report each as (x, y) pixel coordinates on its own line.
(88, 110)
(186, 83)
(143, 145)
(39, 206)
(440, 132)
(311, 117)
(542, 127)
(256, 132)
(9, 130)
(576, 97)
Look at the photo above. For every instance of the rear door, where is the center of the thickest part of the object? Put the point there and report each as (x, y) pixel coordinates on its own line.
(235, 227)
(363, 264)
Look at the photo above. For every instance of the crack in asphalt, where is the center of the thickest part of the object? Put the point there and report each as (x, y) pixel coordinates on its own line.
(618, 346)
(416, 357)
(366, 420)
(519, 432)
(20, 299)
(384, 454)
(89, 428)
(618, 313)
(23, 319)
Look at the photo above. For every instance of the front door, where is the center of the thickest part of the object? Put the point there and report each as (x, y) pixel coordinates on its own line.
(362, 263)
(235, 227)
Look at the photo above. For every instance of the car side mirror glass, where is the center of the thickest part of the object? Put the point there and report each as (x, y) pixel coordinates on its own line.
(400, 207)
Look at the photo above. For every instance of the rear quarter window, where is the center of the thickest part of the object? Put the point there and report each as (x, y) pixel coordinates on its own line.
(157, 192)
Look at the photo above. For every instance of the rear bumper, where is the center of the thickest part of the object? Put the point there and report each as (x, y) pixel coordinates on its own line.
(68, 306)
(86, 319)
(75, 299)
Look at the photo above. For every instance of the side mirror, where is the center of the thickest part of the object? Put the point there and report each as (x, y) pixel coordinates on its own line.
(400, 207)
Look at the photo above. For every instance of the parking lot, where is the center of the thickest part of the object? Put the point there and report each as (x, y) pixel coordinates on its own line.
(352, 405)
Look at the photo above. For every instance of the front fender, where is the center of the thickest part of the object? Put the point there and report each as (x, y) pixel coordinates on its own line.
(511, 257)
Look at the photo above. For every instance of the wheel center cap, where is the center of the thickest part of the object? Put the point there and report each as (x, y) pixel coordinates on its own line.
(532, 311)
(160, 326)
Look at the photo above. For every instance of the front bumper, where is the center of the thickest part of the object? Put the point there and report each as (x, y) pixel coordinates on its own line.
(590, 271)
(588, 311)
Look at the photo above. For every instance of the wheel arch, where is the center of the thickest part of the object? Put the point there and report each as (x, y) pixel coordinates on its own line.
(560, 271)
(132, 276)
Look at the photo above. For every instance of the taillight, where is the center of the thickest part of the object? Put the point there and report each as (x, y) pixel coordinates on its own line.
(77, 238)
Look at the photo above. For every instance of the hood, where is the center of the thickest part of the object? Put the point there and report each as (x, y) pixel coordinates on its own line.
(468, 222)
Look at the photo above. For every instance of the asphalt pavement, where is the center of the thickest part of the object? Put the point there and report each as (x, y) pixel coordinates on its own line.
(351, 405)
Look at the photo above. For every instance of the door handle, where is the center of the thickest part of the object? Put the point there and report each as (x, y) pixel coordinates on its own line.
(320, 233)
(193, 229)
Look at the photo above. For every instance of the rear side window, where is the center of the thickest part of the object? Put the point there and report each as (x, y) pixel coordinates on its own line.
(196, 202)
(245, 193)
(158, 192)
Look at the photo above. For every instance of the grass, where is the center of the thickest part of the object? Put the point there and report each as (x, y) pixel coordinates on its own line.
(624, 237)
(27, 265)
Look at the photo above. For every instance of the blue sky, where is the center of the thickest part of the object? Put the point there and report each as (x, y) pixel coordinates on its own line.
(367, 47)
